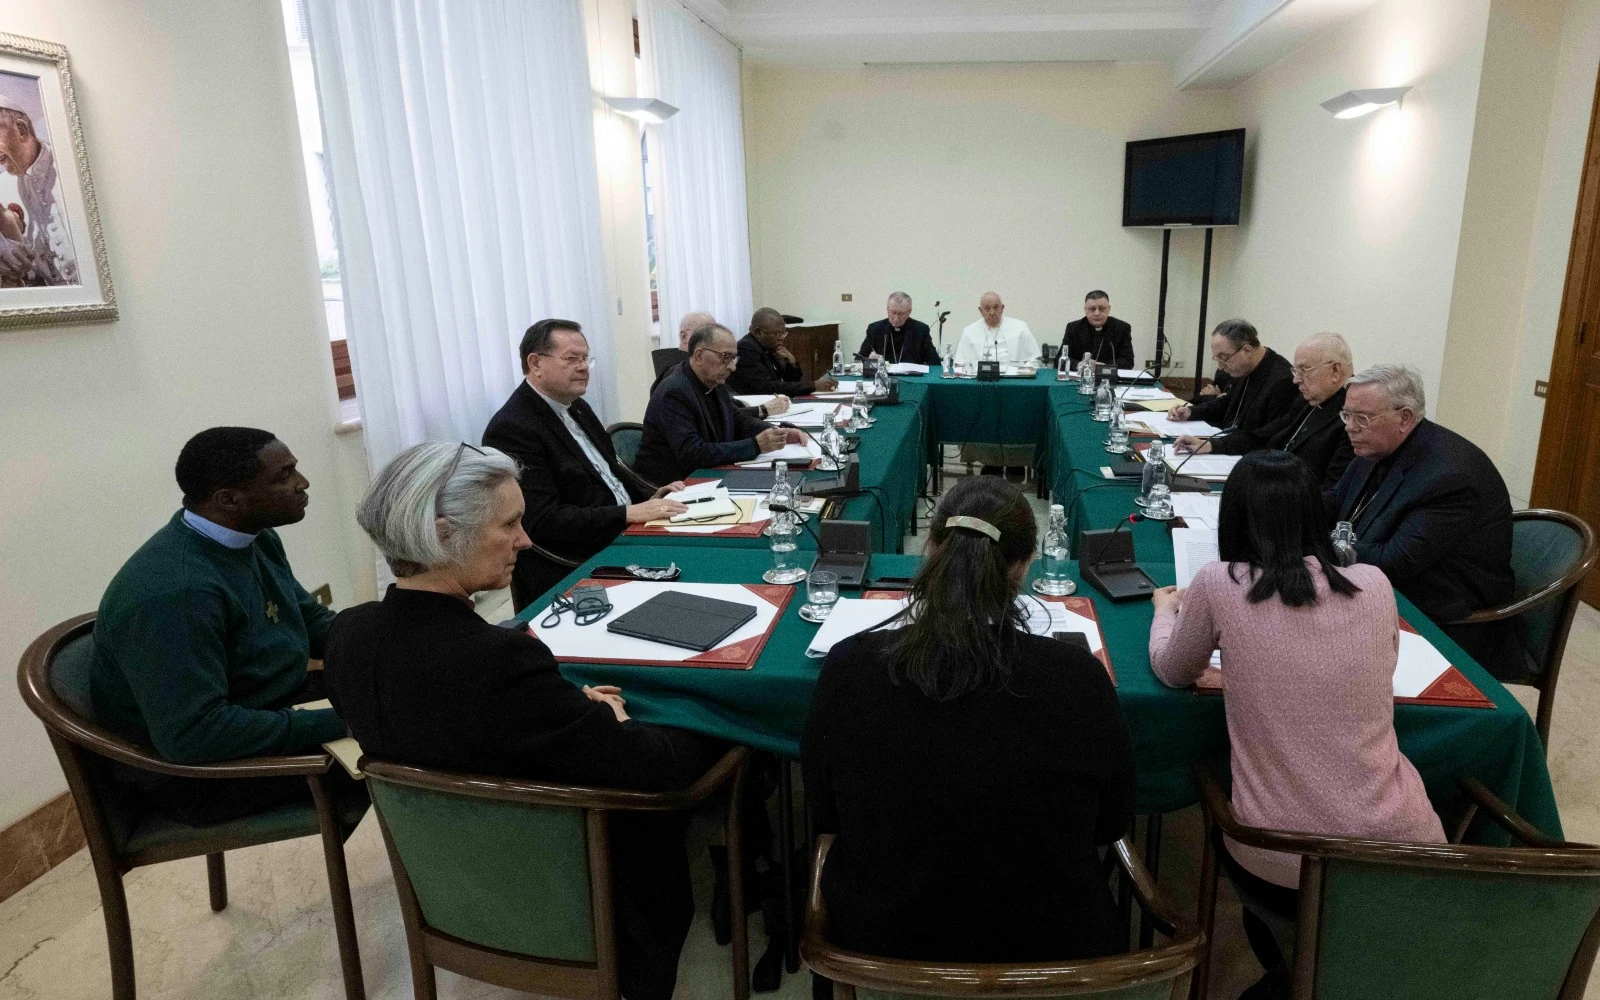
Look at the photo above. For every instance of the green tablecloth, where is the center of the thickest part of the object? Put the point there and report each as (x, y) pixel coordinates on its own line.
(891, 472)
(958, 411)
(766, 706)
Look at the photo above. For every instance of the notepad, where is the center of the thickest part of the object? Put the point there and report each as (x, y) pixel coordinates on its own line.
(696, 492)
(795, 454)
(703, 508)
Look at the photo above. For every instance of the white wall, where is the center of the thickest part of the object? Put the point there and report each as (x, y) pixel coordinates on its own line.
(190, 125)
(1354, 224)
(948, 181)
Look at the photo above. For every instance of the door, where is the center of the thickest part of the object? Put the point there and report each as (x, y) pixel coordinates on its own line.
(1567, 473)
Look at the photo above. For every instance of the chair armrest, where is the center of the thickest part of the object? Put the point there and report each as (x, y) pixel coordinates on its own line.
(1163, 912)
(719, 774)
(102, 743)
(540, 550)
(1505, 816)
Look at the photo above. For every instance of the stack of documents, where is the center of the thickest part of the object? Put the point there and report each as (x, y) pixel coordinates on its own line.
(845, 388)
(1160, 424)
(1141, 393)
(1192, 548)
(1213, 467)
(795, 454)
(1134, 375)
(850, 617)
(812, 415)
(907, 368)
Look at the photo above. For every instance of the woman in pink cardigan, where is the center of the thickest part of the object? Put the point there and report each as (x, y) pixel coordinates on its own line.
(1308, 653)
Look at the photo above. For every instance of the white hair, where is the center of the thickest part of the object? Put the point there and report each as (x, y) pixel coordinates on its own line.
(900, 297)
(1333, 347)
(400, 509)
(693, 321)
(1403, 384)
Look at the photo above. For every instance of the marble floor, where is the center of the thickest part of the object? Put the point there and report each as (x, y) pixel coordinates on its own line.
(275, 939)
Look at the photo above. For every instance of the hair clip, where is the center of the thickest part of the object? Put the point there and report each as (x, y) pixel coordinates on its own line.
(977, 524)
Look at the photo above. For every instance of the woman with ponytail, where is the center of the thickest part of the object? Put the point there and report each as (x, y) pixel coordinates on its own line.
(1308, 654)
(968, 768)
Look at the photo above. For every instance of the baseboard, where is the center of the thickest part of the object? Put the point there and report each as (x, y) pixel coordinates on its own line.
(37, 843)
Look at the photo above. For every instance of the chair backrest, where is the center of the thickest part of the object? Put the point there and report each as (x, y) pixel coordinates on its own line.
(665, 357)
(1408, 932)
(1551, 550)
(500, 874)
(625, 438)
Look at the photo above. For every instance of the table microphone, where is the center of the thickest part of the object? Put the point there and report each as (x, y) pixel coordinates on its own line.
(1105, 543)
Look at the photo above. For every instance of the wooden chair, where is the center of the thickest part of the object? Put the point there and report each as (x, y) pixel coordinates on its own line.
(1158, 973)
(1418, 921)
(625, 439)
(1551, 552)
(509, 881)
(54, 678)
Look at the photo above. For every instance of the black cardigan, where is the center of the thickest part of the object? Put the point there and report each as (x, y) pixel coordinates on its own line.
(689, 427)
(421, 679)
(1315, 433)
(1253, 401)
(1112, 343)
(967, 829)
(761, 372)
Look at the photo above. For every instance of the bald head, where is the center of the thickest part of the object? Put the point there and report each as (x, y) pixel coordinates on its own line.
(1322, 365)
(689, 324)
(991, 308)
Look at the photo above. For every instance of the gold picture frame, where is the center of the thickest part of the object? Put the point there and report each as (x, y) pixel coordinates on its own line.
(53, 266)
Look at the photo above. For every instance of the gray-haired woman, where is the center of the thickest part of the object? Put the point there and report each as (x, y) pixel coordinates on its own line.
(422, 680)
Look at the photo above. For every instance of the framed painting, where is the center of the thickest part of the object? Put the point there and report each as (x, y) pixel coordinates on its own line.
(52, 253)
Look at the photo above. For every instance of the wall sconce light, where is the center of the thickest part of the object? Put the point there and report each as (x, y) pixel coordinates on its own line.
(1355, 103)
(645, 109)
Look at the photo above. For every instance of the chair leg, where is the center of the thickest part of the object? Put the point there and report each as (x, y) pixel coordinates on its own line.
(791, 932)
(217, 876)
(1541, 717)
(423, 984)
(1206, 905)
(119, 936)
(344, 918)
(738, 923)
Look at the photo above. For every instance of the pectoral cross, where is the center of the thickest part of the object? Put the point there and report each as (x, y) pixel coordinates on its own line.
(272, 611)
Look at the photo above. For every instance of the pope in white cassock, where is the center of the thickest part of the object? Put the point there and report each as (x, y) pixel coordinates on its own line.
(1011, 339)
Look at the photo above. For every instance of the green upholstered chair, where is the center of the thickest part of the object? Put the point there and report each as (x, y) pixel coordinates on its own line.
(54, 678)
(509, 881)
(625, 438)
(1551, 552)
(1160, 972)
(1410, 921)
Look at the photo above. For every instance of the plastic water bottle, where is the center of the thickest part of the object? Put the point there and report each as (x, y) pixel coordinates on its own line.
(838, 357)
(1344, 543)
(948, 362)
(780, 496)
(1117, 436)
(1086, 372)
(1063, 365)
(1056, 581)
(786, 566)
(832, 446)
(1156, 474)
(880, 382)
(1103, 402)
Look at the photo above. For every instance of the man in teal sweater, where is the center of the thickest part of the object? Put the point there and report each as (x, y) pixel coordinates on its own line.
(202, 639)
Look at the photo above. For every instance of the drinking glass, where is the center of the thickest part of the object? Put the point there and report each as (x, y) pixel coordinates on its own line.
(822, 590)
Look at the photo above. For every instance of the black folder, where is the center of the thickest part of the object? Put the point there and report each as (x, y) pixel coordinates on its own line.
(687, 621)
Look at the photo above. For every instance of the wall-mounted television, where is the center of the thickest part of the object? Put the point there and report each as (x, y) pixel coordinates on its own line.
(1184, 180)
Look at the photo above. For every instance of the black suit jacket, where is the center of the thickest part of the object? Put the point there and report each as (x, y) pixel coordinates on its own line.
(761, 372)
(688, 427)
(570, 512)
(1253, 401)
(913, 343)
(1111, 343)
(1439, 525)
(1315, 433)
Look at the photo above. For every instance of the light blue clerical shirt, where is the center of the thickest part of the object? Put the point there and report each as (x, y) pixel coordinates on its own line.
(564, 411)
(216, 532)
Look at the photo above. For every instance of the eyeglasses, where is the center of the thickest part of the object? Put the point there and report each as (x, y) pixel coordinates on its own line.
(1301, 371)
(573, 360)
(586, 611)
(726, 357)
(1223, 359)
(1361, 421)
(455, 463)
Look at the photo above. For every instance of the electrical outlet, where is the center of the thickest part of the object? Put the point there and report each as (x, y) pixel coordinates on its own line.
(847, 297)
(1176, 366)
(1149, 364)
(323, 595)
(1541, 389)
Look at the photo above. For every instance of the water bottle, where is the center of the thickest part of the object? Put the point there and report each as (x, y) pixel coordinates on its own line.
(948, 362)
(1063, 365)
(1056, 581)
(1103, 402)
(786, 566)
(781, 495)
(858, 408)
(838, 358)
(1156, 474)
(832, 446)
(1117, 437)
(880, 382)
(1160, 506)
(1086, 372)
(1344, 543)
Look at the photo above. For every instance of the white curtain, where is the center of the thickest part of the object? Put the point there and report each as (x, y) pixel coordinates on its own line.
(702, 233)
(460, 140)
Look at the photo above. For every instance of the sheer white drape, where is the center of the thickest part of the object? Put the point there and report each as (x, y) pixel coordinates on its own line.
(461, 146)
(702, 231)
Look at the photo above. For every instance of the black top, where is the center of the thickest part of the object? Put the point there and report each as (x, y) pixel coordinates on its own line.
(1439, 524)
(912, 343)
(762, 372)
(1253, 401)
(1111, 343)
(967, 829)
(1315, 433)
(689, 427)
(570, 511)
(422, 680)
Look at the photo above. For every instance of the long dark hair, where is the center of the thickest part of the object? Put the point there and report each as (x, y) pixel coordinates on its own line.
(963, 625)
(1272, 517)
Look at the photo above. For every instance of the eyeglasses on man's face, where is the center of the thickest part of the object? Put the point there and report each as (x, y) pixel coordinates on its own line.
(572, 360)
(1223, 359)
(726, 357)
(1361, 421)
(1301, 371)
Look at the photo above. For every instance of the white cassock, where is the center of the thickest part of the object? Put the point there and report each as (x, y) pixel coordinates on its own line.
(1012, 341)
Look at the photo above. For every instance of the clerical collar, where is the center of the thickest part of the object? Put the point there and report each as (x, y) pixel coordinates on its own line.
(216, 532)
(558, 404)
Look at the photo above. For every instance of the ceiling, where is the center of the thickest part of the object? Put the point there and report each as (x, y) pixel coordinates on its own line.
(1207, 42)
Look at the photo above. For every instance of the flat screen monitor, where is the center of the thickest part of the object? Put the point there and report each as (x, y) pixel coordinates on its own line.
(1184, 180)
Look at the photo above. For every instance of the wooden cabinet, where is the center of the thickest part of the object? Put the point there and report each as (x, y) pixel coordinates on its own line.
(812, 346)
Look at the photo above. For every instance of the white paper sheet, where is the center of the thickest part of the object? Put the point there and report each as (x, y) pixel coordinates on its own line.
(757, 400)
(1049, 617)
(1160, 424)
(716, 504)
(1199, 509)
(695, 492)
(797, 454)
(1192, 548)
(1141, 393)
(907, 368)
(850, 616)
(1132, 374)
(1204, 466)
(812, 416)
(572, 641)
(1418, 665)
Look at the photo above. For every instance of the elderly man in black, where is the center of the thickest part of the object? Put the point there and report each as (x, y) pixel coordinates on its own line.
(897, 337)
(1260, 387)
(766, 368)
